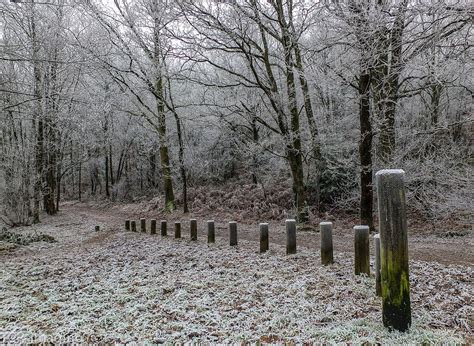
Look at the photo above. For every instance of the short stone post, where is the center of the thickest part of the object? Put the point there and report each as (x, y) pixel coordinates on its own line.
(327, 256)
(164, 228)
(290, 236)
(153, 226)
(233, 233)
(264, 237)
(361, 250)
(143, 225)
(395, 282)
(378, 287)
(211, 233)
(97, 228)
(127, 225)
(194, 229)
(133, 225)
(177, 230)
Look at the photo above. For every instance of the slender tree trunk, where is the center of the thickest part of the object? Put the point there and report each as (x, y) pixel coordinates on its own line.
(37, 121)
(111, 166)
(79, 179)
(313, 128)
(159, 92)
(58, 189)
(365, 152)
(389, 67)
(296, 165)
(182, 167)
(294, 150)
(256, 138)
(152, 171)
(107, 191)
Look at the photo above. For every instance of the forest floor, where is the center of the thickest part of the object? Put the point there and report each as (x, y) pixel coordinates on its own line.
(117, 286)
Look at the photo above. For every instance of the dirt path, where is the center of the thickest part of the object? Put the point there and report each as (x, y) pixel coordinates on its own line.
(455, 250)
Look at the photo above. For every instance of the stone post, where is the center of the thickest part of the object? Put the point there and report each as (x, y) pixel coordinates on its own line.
(327, 256)
(378, 287)
(395, 281)
(361, 250)
(264, 246)
(211, 233)
(164, 228)
(177, 230)
(194, 234)
(290, 236)
(233, 233)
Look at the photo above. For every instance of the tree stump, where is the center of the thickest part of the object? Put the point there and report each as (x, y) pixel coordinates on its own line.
(361, 250)
(177, 230)
(194, 232)
(211, 233)
(133, 225)
(143, 225)
(164, 228)
(153, 226)
(127, 225)
(97, 228)
(327, 256)
(395, 282)
(290, 236)
(378, 287)
(264, 246)
(233, 233)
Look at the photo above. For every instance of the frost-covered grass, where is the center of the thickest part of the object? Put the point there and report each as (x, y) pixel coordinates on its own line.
(131, 287)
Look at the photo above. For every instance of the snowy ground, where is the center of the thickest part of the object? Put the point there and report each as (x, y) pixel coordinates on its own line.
(117, 286)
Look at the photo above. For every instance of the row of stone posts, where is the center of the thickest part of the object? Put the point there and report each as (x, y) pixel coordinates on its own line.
(391, 248)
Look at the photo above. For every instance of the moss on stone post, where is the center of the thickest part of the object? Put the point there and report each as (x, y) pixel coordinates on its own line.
(194, 232)
(164, 228)
(143, 225)
(153, 226)
(133, 225)
(378, 287)
(127, 225)
(361, 250)
(211, 232)
(395, 282)
(327, 256)
(264, 237)
(177, 230)
(290, 236)
(232, 233)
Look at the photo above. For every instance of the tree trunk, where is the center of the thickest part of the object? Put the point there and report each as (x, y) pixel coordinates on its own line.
(79, 180)
(107, 191)
(313, 128)
(294, 152)
(111, 166)
(58, 185)
(152, 172)
(365, 152)
(159, 94)
(296, 165)
(37, 121)
(182, 167)
(389, 68)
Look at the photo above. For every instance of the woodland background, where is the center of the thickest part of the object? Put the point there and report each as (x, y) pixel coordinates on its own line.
(270, 108)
